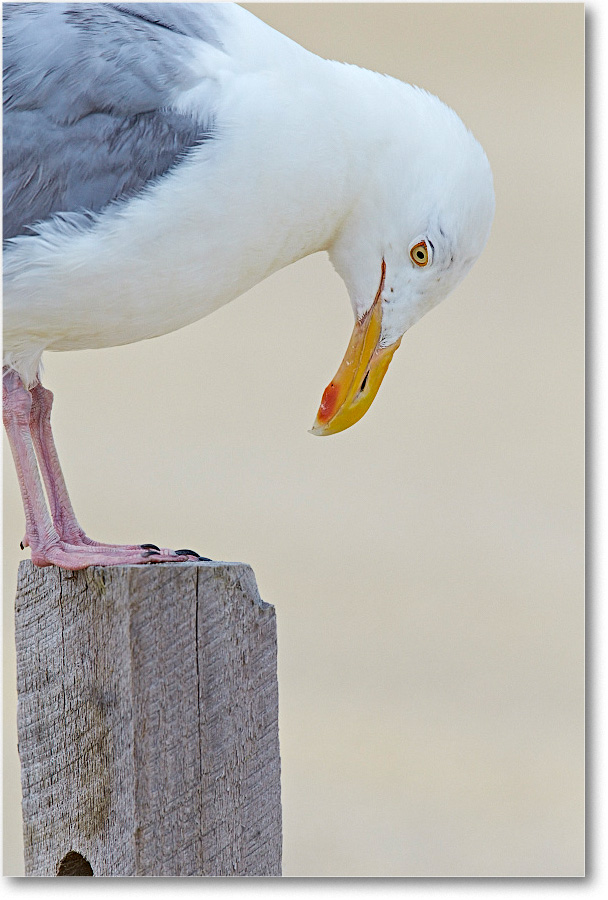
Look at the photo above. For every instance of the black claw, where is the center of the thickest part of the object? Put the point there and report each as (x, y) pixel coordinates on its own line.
(151, 553)
(21, 545)
(149, 547)
(192, 553)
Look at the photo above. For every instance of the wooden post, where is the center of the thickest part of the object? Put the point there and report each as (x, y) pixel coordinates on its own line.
(148, 721)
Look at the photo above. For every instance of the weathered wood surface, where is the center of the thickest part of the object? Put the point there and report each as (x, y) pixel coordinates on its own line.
(148, 721)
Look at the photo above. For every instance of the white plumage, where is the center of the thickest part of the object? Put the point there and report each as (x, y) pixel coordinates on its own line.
(298, 154)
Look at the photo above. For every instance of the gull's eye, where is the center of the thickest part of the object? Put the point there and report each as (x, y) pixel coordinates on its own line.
(421, 253)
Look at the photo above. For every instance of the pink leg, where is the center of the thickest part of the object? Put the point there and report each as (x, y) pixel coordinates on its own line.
(62, 512)
(61, 542)
(16, 416)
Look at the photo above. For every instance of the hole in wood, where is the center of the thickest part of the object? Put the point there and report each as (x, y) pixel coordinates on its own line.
(74, 864)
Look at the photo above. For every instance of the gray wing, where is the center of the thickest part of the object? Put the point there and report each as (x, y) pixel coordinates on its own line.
(87, 102)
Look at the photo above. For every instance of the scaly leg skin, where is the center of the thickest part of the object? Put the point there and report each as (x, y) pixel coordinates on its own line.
(57, 540)
(62, 512)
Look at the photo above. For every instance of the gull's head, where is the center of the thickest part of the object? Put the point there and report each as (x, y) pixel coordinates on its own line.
(421, 218)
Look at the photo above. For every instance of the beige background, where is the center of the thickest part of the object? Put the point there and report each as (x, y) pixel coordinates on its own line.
(426, 565)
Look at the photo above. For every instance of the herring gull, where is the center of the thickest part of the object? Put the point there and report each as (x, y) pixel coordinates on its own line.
(161, 159)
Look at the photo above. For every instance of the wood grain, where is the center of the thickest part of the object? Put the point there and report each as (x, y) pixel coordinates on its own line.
(148, 721)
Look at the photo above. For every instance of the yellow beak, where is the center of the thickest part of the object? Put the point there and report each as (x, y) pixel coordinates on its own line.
(351, 392)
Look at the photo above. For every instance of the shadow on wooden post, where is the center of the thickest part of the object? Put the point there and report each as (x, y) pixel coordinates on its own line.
(148, 721)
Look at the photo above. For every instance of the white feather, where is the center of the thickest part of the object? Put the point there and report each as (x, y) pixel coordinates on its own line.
(308, 155)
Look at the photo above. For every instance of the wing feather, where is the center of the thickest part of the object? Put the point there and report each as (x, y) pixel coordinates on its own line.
(89, 91)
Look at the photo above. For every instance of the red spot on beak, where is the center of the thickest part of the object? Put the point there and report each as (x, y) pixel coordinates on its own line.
(329, 402)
